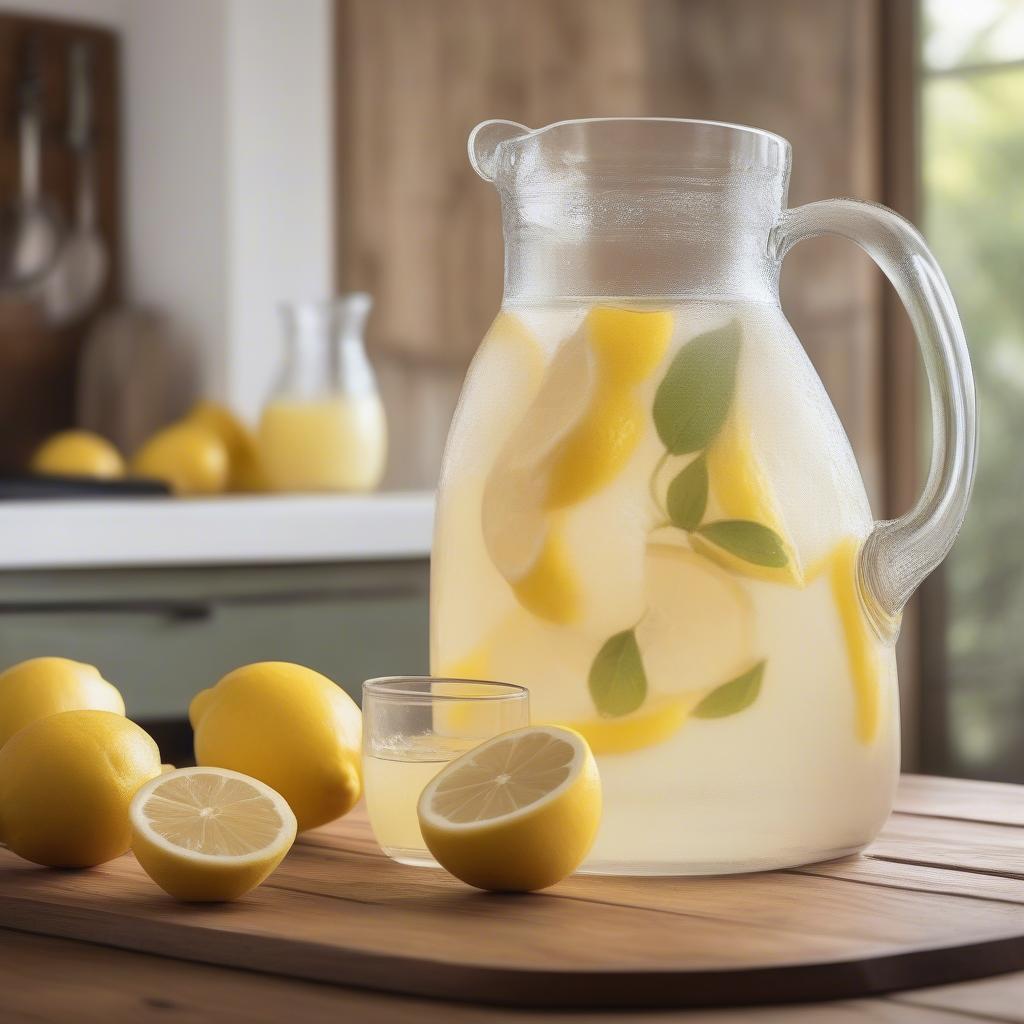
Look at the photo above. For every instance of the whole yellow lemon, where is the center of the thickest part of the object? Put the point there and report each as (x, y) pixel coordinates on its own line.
(78, 453)
(245, 471)
(289, 727)
(66, 782)
(46, 686)
(191, 459)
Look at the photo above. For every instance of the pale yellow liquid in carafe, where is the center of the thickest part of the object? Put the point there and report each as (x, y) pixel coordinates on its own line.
(741, 705)
(328, 444)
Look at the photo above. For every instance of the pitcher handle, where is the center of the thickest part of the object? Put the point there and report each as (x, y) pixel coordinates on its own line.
(899, 553)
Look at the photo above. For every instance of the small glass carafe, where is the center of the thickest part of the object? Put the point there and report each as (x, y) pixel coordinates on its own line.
(323, 427)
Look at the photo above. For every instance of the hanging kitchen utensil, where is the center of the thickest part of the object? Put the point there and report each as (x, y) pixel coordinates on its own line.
(74, 282)
(31, 228)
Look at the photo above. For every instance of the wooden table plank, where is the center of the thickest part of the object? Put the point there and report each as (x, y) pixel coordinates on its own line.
(935, 899)
(952, 843)
(868, 870)
(56, 980)
(999, 803)
(990, 999)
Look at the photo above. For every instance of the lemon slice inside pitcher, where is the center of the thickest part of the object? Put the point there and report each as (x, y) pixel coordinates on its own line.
(576, 437)
(696, 633)
(741, 490)
(861, 642)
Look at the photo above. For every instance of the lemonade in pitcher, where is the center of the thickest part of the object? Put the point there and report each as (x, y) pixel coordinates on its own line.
(650, 515)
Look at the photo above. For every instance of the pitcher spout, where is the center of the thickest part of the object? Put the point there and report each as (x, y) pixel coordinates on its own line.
(484, 141)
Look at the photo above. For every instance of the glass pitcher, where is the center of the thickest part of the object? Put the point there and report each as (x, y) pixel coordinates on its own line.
(323, 427)
(649, 512)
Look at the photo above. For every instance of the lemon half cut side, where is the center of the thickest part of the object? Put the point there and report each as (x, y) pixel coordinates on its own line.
(516, 813)
(209, 833)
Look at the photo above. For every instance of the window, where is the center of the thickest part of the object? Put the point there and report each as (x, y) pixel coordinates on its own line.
(972, 166)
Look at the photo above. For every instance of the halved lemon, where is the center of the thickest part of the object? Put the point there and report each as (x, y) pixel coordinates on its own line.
(517, 813)
(209, 833)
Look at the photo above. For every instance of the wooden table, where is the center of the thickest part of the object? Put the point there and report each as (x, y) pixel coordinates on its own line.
(954, 844)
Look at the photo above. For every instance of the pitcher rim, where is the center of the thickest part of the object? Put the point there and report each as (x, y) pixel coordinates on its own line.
(482, 158)
(710, 122)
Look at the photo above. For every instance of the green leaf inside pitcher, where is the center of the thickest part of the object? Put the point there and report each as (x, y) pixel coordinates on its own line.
(693, 398)
(618, 682)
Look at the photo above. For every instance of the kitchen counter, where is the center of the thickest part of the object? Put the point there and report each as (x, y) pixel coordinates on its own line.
(216, 531)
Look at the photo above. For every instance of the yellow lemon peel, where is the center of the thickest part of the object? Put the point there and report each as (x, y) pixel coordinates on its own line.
(563, 453)
(741, 490)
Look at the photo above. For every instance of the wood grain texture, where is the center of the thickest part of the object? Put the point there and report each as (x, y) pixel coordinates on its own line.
(418, 229)
(940, 842)
(989, 999)
(38, 365)
(999, 803)
(934, 900)
(54, 980)
(806, 69)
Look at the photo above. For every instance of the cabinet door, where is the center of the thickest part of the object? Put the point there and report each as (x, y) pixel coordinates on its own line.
(160, 636)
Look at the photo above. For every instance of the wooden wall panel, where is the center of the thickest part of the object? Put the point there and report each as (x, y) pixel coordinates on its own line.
(38, 364)
(421, 232)
(417, 228)
(806, 69)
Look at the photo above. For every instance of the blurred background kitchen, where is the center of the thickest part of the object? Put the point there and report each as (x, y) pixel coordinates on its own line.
(173, 173)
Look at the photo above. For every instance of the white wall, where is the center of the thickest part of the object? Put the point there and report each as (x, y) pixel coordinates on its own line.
(228, 168)
(280, 171)
(175, 95)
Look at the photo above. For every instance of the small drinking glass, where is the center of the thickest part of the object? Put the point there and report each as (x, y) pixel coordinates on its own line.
(412, 727)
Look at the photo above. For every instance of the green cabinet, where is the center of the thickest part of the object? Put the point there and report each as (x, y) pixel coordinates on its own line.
(162, 634)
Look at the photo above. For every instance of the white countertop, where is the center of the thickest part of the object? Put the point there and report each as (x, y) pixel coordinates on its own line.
(215, 531)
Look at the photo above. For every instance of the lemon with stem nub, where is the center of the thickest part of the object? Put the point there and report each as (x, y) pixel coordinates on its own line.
(40, 687)
(517, 813)
(289, 727)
